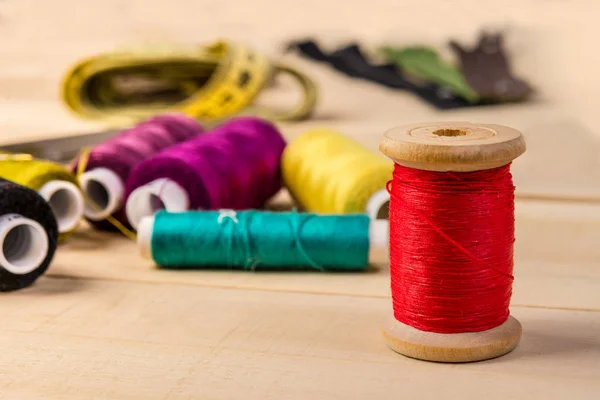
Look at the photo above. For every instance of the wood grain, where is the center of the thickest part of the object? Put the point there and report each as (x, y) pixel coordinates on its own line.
(105, 340)
(452, 146)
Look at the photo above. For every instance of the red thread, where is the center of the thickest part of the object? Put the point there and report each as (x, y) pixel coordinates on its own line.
(451, 248)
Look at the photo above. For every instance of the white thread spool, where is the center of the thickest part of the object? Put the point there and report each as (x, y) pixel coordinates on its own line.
(378, 234)
(378, 209)
(378, 205)
(105, 189)
(144, 236)
(24, 244)
(162, 193)
(66, 202)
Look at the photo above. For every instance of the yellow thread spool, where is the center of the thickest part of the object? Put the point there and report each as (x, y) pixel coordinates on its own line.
(327, 172)
(53, 181)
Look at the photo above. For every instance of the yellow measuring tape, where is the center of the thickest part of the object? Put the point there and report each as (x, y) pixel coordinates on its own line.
(208, 83)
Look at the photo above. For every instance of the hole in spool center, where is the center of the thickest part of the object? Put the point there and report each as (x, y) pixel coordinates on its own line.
(156, 204)
(97, 193)
(63, 205)
(450, 132)
(18, 246)
(384, 211)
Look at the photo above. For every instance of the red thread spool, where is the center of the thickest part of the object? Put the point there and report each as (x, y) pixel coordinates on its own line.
(451, 240)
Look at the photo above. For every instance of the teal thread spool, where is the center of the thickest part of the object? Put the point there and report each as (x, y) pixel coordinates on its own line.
(258, 240)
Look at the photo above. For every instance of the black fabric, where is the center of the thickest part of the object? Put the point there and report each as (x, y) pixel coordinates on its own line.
(17, 199)
(351, 61)
(487, 70)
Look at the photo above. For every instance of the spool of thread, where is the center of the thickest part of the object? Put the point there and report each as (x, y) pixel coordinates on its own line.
(28, 236)
(327, 172)
(235, 166)
(451, 240)
(110, 163)
(253, 240)
(55, 183)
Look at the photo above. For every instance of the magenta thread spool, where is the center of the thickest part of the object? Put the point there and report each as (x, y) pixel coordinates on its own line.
(111, 162)
(236, 166)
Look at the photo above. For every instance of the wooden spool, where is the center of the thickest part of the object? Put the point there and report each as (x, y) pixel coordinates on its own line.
(460, 147)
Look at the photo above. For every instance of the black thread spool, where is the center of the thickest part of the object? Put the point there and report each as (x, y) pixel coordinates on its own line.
(28, 236)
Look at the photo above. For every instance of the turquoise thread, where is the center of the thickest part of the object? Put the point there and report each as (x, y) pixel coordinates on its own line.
(257, 240)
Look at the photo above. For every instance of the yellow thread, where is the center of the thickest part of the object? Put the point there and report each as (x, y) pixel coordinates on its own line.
(81, 166)
(25, 170)
(327, 172)
(209, 83)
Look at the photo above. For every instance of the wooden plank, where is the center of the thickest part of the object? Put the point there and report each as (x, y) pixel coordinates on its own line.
(72, 339)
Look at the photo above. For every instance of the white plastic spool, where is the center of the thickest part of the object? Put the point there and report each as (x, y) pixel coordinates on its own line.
(66, 202)
(24, 244)
(144, 236)
(105, 189)
(159, 194)
(378, 205)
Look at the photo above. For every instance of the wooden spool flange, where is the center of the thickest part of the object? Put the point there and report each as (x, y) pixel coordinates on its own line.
(460, 147)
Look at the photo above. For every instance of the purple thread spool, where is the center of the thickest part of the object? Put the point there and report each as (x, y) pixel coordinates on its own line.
(111, 162)
(234, 166)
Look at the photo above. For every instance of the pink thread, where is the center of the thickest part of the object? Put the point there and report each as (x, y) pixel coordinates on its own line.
(236, 166)
(129, 148)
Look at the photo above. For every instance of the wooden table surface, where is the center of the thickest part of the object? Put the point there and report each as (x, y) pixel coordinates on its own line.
(106, 324)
